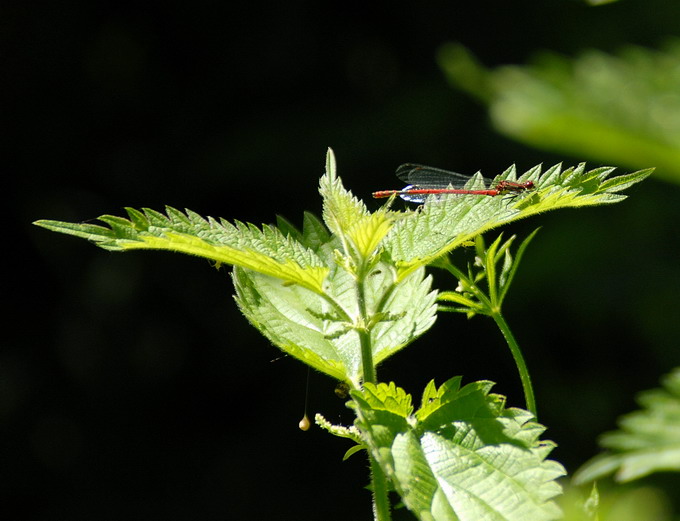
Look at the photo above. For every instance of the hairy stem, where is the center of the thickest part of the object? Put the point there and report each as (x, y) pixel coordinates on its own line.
(365, 336)
(519, 362)
(381, 503)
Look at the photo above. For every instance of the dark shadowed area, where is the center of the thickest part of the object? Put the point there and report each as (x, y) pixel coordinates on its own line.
(130, 385)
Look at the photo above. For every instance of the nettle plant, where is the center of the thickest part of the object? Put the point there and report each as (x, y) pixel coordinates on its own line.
(345, 293)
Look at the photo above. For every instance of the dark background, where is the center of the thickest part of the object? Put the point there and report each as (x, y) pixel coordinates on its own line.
(130, 385)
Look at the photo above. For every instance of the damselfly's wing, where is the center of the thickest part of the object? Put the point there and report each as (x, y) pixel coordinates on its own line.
(428, 177)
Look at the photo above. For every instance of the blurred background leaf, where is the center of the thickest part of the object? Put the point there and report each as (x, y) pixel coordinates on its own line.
(647, 441)
(619, 109)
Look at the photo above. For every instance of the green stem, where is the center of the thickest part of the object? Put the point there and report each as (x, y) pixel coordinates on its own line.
(381, 503)
(519, 361)
(365, 336)
(367, 357)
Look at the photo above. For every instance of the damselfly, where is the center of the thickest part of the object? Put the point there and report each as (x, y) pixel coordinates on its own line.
(426, 180)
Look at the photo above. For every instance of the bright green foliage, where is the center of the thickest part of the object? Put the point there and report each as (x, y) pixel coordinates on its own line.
(266, 251)
(320, 329)
(462, 455)
(648, 440)
(419, 237)
(482, 289)
(348, 218)
(344, 294)
(484, 285)
(618, 109)
(346, 299)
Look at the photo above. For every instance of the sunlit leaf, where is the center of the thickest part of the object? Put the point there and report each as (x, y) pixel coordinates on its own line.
(462, 456)
(445, 222)
(264, 250)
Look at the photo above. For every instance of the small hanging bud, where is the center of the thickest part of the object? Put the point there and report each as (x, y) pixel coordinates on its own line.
(304, 424)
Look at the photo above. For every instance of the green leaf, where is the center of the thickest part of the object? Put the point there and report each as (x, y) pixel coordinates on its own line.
(648, 440)
(346, 300)
(443, 223)
(629, 503)
(333, 311)
(341, 210)
(462, 456)
(359, 231)
(483, 287)
(618, 108)
(265, 250)
(321, 329)
(510, 269)
(471, 294)
(314, 233)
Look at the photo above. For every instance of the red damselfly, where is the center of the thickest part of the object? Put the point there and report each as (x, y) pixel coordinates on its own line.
(426, 180)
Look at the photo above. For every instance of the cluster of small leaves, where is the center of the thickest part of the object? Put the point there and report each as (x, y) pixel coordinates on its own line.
(472, 296)
(482, 289)
(462, 455)
(648, 440)
(622, 109)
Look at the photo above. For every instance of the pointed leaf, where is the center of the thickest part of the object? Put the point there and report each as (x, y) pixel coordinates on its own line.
(446, 222)
(614, 108)
(265, 250)
(648, 441)
(509, 273)
(463, 457)
(341, 210)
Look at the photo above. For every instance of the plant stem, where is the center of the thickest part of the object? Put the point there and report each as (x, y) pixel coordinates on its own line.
(519, 361)
(367, 357)
(365, 336)
(381, 503)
